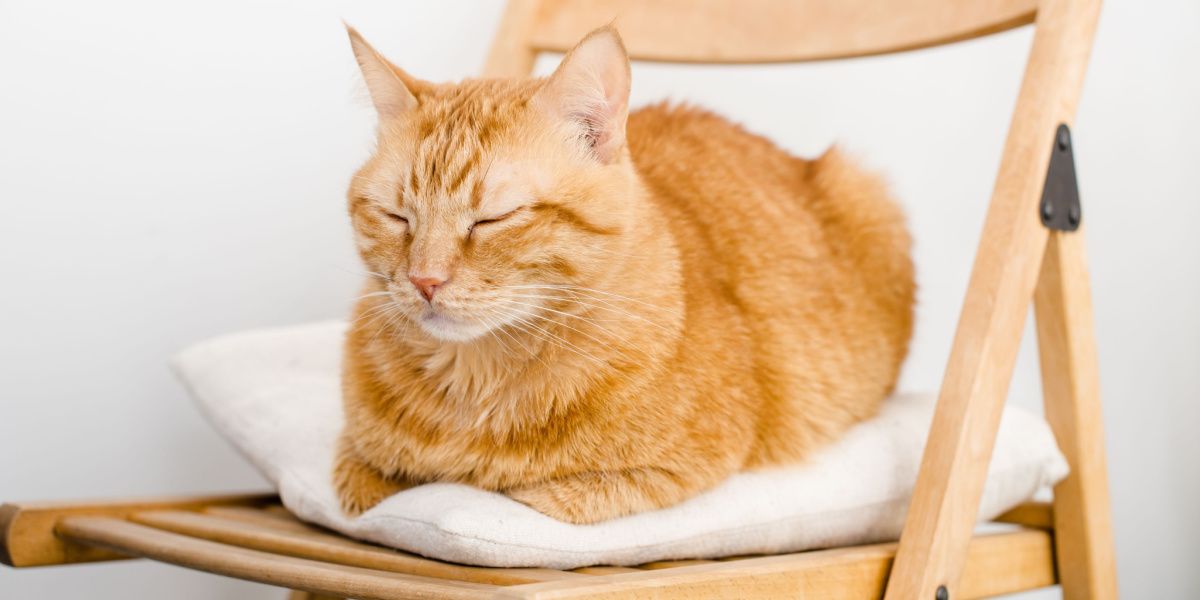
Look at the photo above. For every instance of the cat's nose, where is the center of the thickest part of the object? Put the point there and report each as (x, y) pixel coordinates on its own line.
(426, 284)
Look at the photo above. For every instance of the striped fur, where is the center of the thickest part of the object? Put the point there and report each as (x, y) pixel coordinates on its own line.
(636, 306)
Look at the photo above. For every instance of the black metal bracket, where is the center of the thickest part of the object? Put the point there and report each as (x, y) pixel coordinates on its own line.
(1060, 208)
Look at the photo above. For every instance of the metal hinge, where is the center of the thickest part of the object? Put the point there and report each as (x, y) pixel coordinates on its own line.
(1060, 208)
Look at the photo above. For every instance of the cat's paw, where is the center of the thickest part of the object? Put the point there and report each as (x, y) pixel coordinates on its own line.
(556, 500)
(359, 486)
(592, 497)
(358, 498)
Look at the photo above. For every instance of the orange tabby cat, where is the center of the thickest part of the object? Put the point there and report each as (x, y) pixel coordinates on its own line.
(597, 312)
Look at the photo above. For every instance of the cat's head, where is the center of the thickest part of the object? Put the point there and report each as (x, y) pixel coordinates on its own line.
(487, 199)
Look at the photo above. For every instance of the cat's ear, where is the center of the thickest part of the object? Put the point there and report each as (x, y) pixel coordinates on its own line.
(590, 88)
(390, 87)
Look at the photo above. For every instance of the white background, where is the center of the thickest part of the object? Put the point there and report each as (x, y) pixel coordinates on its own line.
(169, 172)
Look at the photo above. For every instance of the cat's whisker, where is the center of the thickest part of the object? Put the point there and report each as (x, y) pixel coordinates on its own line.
(373, 318)
(572, 296)
(373, 295)
(551, 337)
(562, 341)
(584, 290)
(592, 292)
(579, 331)
(591, 322)
(375, 310)
(502, 329)
(398, 315)
(565, 300)
(491, 325)
(603, 306)
(387, 315)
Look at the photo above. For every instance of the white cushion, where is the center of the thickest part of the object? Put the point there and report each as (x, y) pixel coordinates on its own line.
(275, 394)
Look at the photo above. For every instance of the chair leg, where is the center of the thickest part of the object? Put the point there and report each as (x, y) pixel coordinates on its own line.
(1066, 344)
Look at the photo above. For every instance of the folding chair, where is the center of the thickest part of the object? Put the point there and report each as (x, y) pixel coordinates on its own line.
(1032, 248)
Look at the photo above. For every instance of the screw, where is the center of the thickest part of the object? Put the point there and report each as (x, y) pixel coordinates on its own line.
(1073, 216)
(942, 593)
(1064, 138)
(1047, 212)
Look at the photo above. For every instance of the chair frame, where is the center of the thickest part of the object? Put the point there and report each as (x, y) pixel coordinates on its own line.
(1019, 260)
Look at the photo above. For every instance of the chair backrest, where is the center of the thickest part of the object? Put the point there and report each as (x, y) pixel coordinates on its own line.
(748, 31)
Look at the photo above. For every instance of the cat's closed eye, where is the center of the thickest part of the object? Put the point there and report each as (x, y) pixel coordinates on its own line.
(395, 217)
(495, 219)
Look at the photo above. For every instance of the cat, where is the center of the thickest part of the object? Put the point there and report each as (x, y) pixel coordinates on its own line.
(598, 312)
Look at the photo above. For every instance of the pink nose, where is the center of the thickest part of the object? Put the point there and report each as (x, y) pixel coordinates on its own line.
(426, 284)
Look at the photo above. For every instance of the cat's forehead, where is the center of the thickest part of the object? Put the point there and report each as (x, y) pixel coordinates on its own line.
(457, 140)
(459, 147)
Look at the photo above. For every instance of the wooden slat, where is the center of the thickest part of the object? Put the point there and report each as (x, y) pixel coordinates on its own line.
(303, 595)
(671, 564)
(740, 557)
(27, 529)
(605, 570)
(286, 571)
(1038, 515)
(996, 564)
(264, 516)
(1070, 383)
(654, 566)
(315, 544)
(941, 515)
(767, 31)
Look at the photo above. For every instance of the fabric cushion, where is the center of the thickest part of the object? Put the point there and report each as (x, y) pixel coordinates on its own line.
(275, 394)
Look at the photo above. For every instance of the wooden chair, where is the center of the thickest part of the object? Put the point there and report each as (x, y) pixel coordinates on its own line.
(1031, 249)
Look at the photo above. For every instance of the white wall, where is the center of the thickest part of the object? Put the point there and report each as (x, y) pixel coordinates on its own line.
(170, 172)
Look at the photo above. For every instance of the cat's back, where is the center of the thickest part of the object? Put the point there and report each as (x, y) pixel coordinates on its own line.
(810, 257)
(695, 155)
(740, 201)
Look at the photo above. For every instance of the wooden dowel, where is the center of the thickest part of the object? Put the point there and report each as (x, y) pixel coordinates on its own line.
(272, 569)
(996, 564)
(329, 547)
(27, 528)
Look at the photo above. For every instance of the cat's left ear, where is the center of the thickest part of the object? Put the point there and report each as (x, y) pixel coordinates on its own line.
(590, 89)
(392, 90)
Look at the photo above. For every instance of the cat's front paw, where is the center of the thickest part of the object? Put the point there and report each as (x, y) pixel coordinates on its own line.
(360, 497)
(360, 486)
(592, 497)
(552, 499)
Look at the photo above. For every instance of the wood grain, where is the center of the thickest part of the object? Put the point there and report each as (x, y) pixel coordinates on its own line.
(1036, 515)
(945, 502)
(770, 31)
(272, 569)
(27, 536)
(1070, 383)
(511, 54)
(995, 564)
(317, 544)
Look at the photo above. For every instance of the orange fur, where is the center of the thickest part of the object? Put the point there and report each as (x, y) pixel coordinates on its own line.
(633, 308)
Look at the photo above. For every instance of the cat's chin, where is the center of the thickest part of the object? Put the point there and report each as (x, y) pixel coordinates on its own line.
(449, 329)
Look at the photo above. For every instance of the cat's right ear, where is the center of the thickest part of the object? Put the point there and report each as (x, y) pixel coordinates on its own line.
(590, 88)
(390, 87)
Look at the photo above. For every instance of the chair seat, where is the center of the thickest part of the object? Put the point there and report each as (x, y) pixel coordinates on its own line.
(255, 538)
